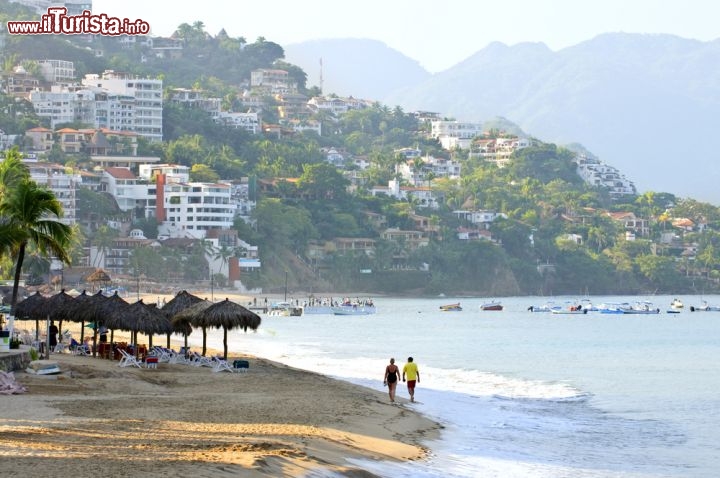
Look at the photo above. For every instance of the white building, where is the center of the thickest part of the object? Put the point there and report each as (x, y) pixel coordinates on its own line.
(56, 105)
(498, 150)
(421, 170)
(599, 174)
(57, 71)
(62, 183)
(481, 217)
(191, 209)
(148, 99)
(250, 122)
(423, 196)
(273, 81)
(129, 191)
(454, 134)
(196, 99)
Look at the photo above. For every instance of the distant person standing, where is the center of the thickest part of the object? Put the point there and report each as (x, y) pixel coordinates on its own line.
(392, 374)
(411, 372)
(53, 335)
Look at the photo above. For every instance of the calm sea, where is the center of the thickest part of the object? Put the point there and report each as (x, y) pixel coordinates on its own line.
(529, 394)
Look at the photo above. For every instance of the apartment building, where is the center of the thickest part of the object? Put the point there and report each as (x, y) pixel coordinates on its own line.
(420, 170)
(62, 182)
(147, 93)
(454, 134)
(497, 150)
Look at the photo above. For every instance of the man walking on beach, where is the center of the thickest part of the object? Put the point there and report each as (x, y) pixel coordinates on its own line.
(413, 375)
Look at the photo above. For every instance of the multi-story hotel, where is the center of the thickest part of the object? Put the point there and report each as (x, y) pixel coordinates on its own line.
(147, 92)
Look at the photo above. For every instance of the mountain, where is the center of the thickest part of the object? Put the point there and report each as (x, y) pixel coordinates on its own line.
(645, 104)
(366, 69)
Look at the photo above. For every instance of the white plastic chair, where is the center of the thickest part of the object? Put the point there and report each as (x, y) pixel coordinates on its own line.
(128, 360)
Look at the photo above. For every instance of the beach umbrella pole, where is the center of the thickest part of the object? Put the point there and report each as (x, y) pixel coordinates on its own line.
(204, 341)
(225, 343)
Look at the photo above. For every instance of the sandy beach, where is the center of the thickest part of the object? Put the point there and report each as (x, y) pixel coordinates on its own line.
(96, 418)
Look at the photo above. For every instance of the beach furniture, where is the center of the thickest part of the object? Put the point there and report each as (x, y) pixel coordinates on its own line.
(221, 365)
(241, 365)
(151, 362)
(128, 360)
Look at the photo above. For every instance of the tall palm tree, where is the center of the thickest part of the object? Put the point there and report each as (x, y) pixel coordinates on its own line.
(26, 217)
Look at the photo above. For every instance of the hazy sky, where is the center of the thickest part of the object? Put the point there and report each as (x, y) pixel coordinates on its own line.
(438, 34)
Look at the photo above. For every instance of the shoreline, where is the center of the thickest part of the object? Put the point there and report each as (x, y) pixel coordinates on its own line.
(178, 419)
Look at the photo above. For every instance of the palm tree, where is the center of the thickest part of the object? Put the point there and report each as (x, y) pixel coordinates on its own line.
(12, 170)
(26, 218)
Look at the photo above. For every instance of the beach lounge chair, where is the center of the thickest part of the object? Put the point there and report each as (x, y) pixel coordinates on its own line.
(128, 360)
(221, 365)
(200, 361)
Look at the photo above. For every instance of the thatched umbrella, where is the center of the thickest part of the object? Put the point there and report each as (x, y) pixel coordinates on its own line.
(98, 276)
(228, 315)
(32, 308)
(180, 302)
(59, 307)
(86, 308)
(140, 317)
(182, 326)
(109, 311)
(190, 315)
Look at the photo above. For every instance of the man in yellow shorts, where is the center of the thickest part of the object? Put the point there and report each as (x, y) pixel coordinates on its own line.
(413, 375)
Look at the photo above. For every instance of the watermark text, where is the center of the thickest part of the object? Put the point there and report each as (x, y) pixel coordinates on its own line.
(57, 22)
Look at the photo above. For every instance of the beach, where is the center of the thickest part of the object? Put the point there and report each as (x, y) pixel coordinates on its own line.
(96, 418)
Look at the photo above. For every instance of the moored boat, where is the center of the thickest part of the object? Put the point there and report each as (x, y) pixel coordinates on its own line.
(492, 305)
(573, 310)
(356, 307)
(284, 309)
(705, 307)
(547, 307)
(451, 307)
(641, 308)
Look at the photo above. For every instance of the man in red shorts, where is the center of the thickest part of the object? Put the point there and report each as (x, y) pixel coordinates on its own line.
(413, 375)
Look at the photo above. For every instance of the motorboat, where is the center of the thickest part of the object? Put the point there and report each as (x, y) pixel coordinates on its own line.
(492, 305)
(573, 310)
(613, 307)
(358, 307)
(548, 307)
(705, 307)
(641, 308)
(285, 309)
(451, 307)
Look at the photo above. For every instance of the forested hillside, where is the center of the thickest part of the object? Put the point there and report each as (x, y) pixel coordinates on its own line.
(555, 234)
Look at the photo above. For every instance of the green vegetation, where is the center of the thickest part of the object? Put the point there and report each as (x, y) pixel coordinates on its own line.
(554, 234)
(28, 218)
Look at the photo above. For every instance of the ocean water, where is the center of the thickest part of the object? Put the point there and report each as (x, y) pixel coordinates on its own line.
(524, 394)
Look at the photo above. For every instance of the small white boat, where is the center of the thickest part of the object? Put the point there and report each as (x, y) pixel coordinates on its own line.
(354, 307)
(572, 310)
(284, 309)
(641, 308)
(548, 307)
(705, 307)
(676, 304)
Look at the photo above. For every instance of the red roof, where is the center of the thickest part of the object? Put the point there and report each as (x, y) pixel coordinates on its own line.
(120, 173)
